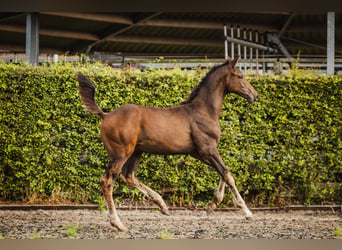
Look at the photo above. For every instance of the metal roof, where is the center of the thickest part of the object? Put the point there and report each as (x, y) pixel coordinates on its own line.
(166, 33)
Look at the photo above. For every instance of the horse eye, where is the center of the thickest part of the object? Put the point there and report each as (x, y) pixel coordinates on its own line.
(240, 77)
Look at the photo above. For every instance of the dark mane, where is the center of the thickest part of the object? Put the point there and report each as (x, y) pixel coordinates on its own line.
(196, 89)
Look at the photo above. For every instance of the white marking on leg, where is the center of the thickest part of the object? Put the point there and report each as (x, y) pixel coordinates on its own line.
(116, 222)
(238, 199)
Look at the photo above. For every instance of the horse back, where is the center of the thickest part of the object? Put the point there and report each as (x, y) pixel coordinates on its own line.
(148, 129)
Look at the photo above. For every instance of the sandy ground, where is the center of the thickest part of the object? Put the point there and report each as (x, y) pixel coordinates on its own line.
(181, 224)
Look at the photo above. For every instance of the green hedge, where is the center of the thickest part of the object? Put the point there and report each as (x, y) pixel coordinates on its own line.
(284, 149)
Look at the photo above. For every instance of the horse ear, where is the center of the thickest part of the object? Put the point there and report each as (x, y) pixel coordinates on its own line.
(235, 61)
(229, 60)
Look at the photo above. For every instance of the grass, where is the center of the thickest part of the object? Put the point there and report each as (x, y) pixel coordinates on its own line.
(165, 235)
(1, 237)
(35, 235)
(72, 230)
(337, 232)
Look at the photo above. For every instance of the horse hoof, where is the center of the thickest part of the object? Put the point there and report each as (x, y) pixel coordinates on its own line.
(165, 211)
(119, 227)
(248, 214)
(249, 218)
(123, 229)
(209, 210)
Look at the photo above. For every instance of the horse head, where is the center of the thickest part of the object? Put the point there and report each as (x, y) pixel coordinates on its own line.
(237, 83)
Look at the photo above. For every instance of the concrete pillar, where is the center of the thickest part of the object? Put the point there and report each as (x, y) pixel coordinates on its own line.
(331, 43)
(32, 38)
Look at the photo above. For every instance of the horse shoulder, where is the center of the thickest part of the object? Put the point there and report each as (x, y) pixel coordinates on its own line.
(204, 129)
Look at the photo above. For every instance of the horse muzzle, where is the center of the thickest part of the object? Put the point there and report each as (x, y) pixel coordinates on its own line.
(252, 97)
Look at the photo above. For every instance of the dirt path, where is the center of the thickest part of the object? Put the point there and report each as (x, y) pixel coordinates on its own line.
(184, 224)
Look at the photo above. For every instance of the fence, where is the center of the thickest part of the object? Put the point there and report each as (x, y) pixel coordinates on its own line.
(246, 44)
(271, 65)
(261, 63)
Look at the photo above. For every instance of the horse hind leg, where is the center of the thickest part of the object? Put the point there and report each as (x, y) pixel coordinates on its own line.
(129, 177)
(107, 183)
(218, 197)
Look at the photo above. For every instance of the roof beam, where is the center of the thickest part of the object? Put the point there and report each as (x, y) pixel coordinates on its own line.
(13, 28)
(52, 33)
(9, 16)
(17, 48)
(319, 27)
(302, 29)
(295, 42)
(183, 41)
(286, 24)
(166, 41)
(182, 24)
(69, 34)
(193, 24)
(93, 17)
(116, 32)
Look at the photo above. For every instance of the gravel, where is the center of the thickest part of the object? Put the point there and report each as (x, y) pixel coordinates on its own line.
(181, 224)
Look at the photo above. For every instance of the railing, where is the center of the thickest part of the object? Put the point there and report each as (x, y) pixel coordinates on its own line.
(282, 65)
(252, 65)
(261, 64)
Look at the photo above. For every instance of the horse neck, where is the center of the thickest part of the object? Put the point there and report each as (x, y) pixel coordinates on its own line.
(210, 97)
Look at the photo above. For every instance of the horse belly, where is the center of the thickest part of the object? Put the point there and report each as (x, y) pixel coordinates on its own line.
(165, 138)
(154, 147)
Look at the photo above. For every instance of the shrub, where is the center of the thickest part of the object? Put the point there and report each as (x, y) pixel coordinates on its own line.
(284, 149)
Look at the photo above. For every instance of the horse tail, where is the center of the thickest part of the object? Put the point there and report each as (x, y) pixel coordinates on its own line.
(87, 91)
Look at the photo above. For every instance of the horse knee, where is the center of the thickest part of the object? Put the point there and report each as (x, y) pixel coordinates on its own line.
(218, 197)
(228, 178)
(105, 185)
(103, 182)
(129, 179)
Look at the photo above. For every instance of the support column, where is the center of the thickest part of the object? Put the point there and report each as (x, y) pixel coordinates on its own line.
(245, 51)
(32, 38)
(225, 42)
(331, 43)
(232, 44)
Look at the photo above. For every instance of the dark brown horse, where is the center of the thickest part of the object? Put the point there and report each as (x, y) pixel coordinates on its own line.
(189, 128)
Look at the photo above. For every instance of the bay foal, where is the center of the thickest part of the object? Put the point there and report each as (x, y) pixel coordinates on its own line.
(189, 128)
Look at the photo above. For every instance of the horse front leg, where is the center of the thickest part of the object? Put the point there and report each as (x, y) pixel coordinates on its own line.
(213, 158)
(237, 197)
(218, 197)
